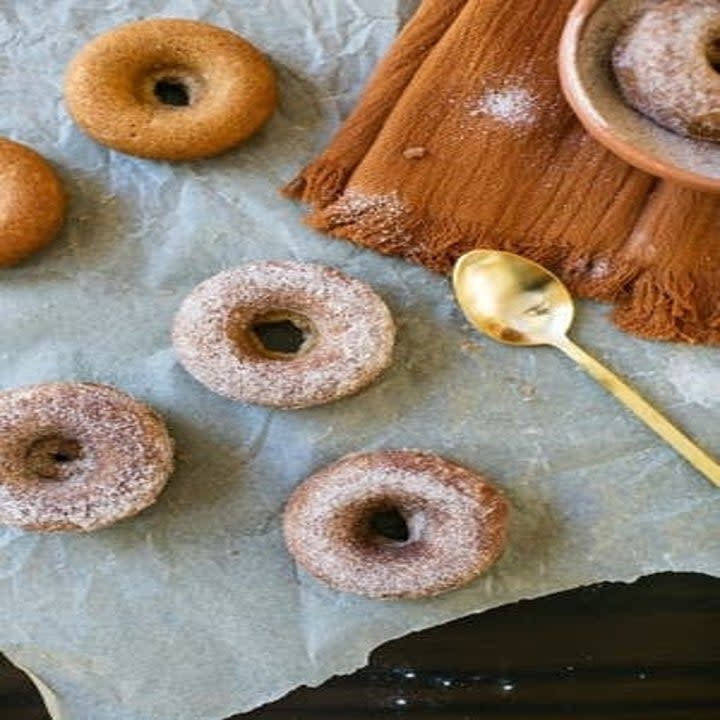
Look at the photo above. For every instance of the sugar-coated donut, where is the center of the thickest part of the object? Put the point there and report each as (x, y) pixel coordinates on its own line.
(455, 524)
(346, 329)
(170, 89)
(667, 65)
(78, 457)
(32, 202)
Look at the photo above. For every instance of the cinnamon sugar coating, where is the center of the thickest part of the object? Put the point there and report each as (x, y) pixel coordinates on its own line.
(456, 522)
(667, 65)
(348, 330)
(78, 456)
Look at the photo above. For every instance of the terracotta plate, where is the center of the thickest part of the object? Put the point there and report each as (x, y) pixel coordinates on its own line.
(589, 86)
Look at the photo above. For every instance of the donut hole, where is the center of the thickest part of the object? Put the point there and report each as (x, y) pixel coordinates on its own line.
(172, 91)
(389, 525)
(282, 334)
(53, 457)
(713, 54)
(383, 523)
(171, 88)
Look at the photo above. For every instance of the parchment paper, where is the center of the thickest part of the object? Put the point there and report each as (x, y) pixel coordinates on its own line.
(194, 611)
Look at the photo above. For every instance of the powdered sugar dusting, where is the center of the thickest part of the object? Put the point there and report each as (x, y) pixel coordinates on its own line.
(382, 218)
(126, 456)
(512, 106)
(353, 343)
(388, 206)
(600, 268)
(455, 517)
(696, 383)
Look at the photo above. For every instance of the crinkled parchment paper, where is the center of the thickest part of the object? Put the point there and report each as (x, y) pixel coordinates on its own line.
(194, 610)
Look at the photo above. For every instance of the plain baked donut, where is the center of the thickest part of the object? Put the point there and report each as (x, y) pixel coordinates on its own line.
(170, 89)
(667, 65)
(32, 202)
(346, 331)
(455, 519)
(78, 456)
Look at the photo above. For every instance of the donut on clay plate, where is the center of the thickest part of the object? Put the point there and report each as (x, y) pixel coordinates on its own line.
(667, 65)
(170, 89)
(32, 202)
(78, 457)
(341, 524)
(344, 331)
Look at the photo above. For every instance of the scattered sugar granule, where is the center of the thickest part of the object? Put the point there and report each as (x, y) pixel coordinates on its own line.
(513, 106)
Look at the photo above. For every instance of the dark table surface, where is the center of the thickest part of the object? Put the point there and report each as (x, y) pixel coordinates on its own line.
(646, 651)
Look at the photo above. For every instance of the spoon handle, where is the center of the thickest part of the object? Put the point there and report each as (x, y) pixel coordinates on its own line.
(644, 410)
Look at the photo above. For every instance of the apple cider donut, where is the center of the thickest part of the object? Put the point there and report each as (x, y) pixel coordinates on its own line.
(395, 524)
(170, 89)
(78, 456)
(32, 202)
(343, 330)
(667, 65)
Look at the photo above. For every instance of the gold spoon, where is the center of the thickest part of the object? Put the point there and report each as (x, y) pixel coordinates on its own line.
(519, 302)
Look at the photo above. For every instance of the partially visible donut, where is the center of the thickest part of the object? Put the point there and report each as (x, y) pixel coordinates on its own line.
(667, 65)
(32, 202)
(455, 524)
(78, 457)
(346, 330)
(170, 89)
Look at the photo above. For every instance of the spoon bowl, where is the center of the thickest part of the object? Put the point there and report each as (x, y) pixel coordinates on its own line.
(518, 302)
(512, 299)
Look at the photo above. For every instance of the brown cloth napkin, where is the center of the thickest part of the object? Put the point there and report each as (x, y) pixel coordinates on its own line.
(462, 139)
